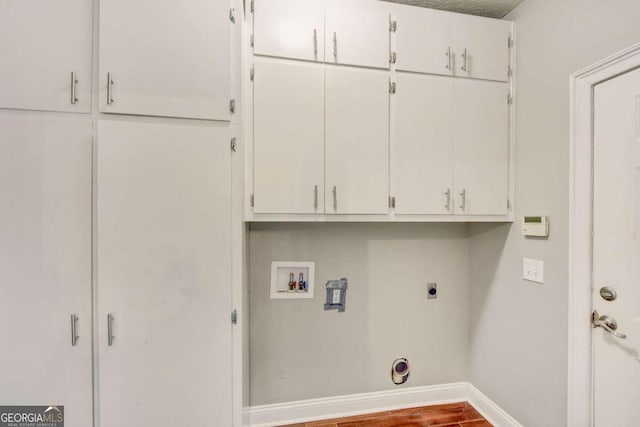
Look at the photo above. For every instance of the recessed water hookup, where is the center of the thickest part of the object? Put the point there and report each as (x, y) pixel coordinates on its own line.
(400, 371)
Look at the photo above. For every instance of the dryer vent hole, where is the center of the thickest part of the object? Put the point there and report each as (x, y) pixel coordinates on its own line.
(400, 371)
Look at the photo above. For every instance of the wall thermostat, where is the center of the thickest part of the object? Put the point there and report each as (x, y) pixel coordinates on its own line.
(537, 226)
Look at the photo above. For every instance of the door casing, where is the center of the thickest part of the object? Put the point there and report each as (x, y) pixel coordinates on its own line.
(580, 363)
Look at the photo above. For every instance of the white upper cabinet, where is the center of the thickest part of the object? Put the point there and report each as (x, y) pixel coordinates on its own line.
(288, 144)
(45, 48)
(357, 33)
(481, 141)
(424, 40)
(289, 29)
(436, 42)
(165, 58)
(422, 145)
(481, 47)
(357, 141)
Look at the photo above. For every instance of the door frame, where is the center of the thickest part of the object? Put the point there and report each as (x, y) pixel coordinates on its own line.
(580, 361)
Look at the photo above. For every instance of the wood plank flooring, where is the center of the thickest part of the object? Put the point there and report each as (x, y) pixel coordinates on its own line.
(450, 415)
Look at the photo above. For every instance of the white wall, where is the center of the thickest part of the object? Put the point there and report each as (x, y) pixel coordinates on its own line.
(299, 351)
(518, 330)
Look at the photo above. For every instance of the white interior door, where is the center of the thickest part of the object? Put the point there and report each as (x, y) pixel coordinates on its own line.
(481, 147)
(289, 29)
(288, 137)
(165, 58)
(41, 44)
(616, 250)
(357, 141)
(45, 264)
(422, 145)
(164, 274)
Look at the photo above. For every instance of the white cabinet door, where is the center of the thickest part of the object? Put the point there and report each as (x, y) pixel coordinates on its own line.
(422, 145)
(41, 44)
(288, 137)
(484, 42)
(481, 141)
(165, 58)
(357, 33)
(163, 272)
(289, 29)
(357, 141)
(45, 263)
(424, 40)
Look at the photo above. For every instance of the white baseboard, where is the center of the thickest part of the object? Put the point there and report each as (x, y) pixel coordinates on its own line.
(363, 403)
(354, 404)
(489, 410)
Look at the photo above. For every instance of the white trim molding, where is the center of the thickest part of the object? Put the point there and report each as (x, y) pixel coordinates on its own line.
(489, 410)
(363, 403)
(579, 409)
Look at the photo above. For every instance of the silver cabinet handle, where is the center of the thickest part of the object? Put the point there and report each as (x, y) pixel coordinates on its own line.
(463, 200)
(465, 55)
(109, 89)
(448, 196)
(74, 330)
(315, 43)
(607, 323)
(448, 55)
(335, 198)
(110, 336)
(315, 197)
(335, 47)
(74, 82)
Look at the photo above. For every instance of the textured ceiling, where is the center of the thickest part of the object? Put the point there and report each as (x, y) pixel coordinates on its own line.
(490, 8)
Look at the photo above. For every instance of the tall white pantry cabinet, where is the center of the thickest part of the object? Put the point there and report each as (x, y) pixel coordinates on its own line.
(405, 115)
(116, 229)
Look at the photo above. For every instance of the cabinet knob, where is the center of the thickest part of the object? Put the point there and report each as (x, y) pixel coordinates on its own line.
(315, 197)
(74, 82)
(109, 89)
(465, 56)
(335, 47)
(315, 44)
(335, 198)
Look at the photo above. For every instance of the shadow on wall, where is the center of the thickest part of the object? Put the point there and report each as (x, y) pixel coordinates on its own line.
(487, 243)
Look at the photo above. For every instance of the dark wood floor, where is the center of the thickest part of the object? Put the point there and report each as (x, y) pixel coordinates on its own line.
(451, 415)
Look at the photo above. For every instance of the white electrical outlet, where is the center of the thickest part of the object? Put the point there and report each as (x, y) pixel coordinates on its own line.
(335, 296)
(533, 270)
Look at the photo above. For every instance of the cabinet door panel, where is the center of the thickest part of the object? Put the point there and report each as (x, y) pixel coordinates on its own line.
(485, 41)
(357, 33)
(424, 40)
(288, 138)
(357, 141)
(166, 58)
(481, 147)
(289, 29)
(45, 263)
(163, 272)
(41, 44)
(422, 145)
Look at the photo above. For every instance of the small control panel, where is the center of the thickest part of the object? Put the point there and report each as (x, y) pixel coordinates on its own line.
(535, 226)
